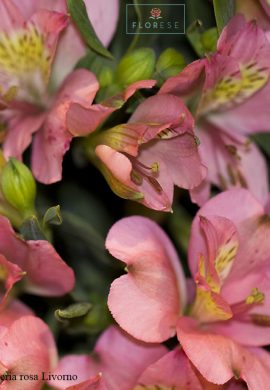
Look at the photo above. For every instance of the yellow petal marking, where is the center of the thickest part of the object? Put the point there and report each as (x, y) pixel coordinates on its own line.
(232, 90)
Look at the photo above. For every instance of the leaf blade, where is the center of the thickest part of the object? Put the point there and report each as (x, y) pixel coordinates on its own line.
(224, 11)
(78, 12)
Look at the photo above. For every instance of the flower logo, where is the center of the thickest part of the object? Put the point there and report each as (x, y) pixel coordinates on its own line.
(155, 13)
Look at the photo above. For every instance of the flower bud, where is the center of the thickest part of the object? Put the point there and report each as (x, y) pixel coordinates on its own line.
(18, 187)
(135, 66)
(209, 39)
(170, 63)
(105, 76)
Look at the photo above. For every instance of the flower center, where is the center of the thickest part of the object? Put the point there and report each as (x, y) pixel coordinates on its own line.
(255, 298)
(234, 88)
(141, 171)
(25, 63)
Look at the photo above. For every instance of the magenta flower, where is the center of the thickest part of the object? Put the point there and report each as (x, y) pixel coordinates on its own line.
(226, 318)
(36, 262)
(234, 84)
(24, 80)
(120, 362)
(143, 159)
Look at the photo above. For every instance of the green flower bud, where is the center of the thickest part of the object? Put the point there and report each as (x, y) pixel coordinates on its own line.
(105, 77)
(135, 66)
(209, 39)
(19, 187)
(170, 63)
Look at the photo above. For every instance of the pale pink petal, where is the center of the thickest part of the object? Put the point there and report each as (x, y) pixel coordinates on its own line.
(164, 109)
(79, 365)
(236, 205)
(37, 355)
(187, 81)
(201, 193)
(9, 273)
(82, 120)
(222, 242)
(236, 25)
(173, 371)
(265, 5)
(180, 157)
(13, 311)
(249, 117)
(230, 359)
(53, 140)
(119, 358)
(245, 42)
(117, 170)
(19, 135)
(96, 383)
(46, 272)
(147, 301)
(11, 16)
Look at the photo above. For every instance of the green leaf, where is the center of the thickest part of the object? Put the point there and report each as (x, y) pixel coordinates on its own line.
(75, 310)
(79, 15)
(224, 11)
(52, 216)
(194, 33)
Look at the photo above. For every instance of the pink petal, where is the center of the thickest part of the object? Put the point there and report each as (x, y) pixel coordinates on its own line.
(11, 17)
(82, 120)
(37, 355)
(266, 7)
(13, 311)
(231, 359)
(19, 135)
(117, 171)
(9, 273)
(236, 205)
(201, 193)
(222, 243)
(231, 161)
(120, 360)
(95, 383)
(181, 158)
(241, 118)
(186, 82)
(172, 370)
(164, 109)
(147, 301)
(46, 272)
(52, 142)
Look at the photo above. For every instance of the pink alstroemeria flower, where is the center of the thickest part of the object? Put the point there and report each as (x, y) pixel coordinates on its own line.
(228, 317)
(143, 159)
(103, 16)
(120, 362)
(36, 262)
(28, 45)
(27, 348)
(234, 95)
